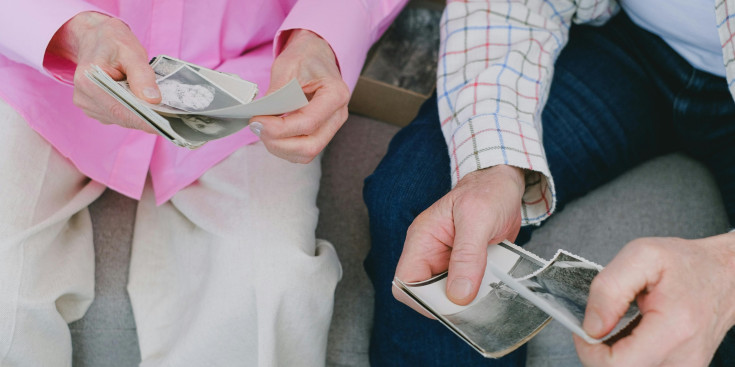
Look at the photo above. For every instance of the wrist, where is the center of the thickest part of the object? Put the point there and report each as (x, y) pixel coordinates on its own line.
(505, 175)
(308, 41)
(67, 40)
(301, 35)
(516, 174)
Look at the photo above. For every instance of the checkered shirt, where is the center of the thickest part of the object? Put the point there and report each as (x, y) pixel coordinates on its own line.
(496, 61)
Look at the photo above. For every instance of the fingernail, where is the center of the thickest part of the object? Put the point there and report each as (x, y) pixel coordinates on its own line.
(150, 92)
(460, 289)
(592, 323)
(256, 127)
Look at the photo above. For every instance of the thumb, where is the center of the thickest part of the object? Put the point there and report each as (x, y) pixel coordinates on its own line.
(468, 259)
(142, 80)
(617, 285)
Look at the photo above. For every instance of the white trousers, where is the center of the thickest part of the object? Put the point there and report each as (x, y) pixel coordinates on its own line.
(227, 273)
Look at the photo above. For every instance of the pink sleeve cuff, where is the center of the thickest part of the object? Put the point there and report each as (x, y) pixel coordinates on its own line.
(347, 25)
(26, 28)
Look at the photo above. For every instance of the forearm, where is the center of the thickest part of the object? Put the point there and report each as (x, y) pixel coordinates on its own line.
(494, 70)
(495, 67)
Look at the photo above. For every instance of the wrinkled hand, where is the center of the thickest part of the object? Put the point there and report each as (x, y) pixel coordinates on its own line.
(301, 135)
(685, 290)
(93, 38)
(455, 231)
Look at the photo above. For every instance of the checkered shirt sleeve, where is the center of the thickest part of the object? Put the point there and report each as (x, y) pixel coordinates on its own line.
(495, 66)
(725, 15)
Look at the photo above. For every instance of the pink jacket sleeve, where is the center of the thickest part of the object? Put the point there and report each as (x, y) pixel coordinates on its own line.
(350, 27)
(26, 27)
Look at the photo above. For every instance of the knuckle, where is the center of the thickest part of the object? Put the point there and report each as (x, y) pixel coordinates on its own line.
(272, 150)
(78, 99)
(343, 114)
(116, 111)
(309, 124)
(648, 248)
(310, 151)
(298, 158)
(343, 93)
(117, 25)
(121, 115)
(78, 79)
(304, 160)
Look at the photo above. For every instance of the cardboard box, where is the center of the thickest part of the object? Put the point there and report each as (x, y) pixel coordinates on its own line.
(400, 72)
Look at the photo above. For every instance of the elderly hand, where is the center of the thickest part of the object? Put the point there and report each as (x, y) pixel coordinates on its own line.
(301, 135)
(686, 293)
(455, 231)
(94, 38)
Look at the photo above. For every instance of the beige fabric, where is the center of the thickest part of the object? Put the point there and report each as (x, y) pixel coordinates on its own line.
(228, 273)
(46, 250)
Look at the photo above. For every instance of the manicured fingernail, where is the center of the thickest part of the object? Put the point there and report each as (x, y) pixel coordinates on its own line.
(460, 288)
(592, 323)
(256, 127)
(150, 92)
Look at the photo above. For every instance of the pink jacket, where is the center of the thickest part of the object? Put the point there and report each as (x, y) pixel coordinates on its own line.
(240, 37)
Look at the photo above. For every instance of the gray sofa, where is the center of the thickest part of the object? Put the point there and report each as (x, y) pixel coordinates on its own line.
(670, 195)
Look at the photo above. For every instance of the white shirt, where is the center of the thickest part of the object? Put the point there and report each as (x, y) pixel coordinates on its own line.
(688, 26)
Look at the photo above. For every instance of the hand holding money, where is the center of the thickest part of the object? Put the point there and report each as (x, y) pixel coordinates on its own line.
(93, 38)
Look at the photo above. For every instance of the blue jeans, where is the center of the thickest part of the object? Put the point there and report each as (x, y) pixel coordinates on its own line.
(620, 96)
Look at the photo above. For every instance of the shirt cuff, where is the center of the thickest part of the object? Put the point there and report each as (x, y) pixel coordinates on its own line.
(27, 44)
(344, 24)
(487, 141)
(539, 199)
